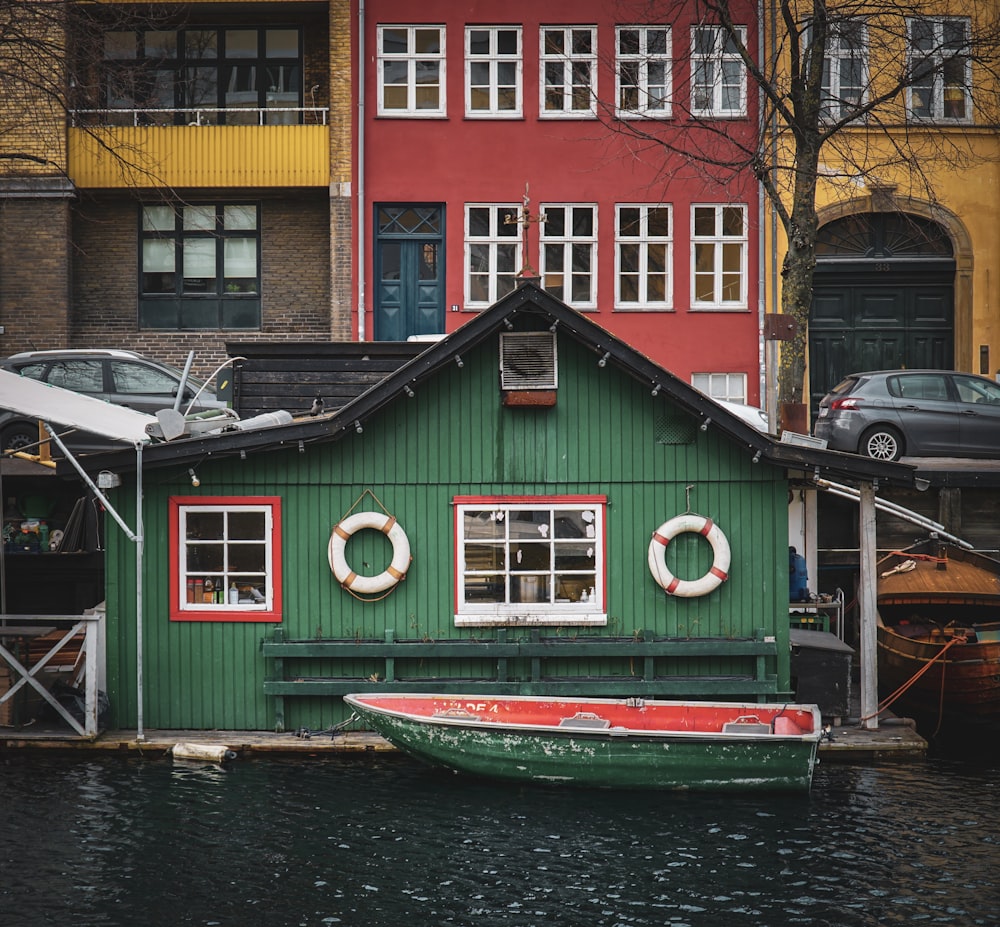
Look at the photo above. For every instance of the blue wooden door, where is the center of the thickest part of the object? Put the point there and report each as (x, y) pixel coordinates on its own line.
(409, 272)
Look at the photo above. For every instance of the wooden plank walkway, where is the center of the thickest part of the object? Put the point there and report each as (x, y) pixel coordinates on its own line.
(895, 740)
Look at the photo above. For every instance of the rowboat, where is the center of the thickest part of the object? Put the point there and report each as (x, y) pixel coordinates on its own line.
(939, 612)
(603, 743)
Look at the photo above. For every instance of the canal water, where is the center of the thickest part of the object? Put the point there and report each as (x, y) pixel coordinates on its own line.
(381, 840)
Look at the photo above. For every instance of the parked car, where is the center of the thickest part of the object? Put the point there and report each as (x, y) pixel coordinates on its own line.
(124, 378)
(750, 414)
(887, 414)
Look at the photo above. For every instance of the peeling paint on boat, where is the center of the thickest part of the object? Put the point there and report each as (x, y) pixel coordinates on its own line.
(610, 758)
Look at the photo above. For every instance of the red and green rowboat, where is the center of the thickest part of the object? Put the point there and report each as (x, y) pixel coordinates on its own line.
(604, 743)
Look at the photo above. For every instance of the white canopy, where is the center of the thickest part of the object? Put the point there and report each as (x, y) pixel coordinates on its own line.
(59, 406)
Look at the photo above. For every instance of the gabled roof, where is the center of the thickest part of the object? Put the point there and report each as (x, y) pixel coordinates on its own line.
(527, 305)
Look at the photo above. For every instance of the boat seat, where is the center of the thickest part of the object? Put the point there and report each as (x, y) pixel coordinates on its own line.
(587, 720)
(749, 726)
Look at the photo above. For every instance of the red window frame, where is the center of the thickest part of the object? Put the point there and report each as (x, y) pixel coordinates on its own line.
(177, 610)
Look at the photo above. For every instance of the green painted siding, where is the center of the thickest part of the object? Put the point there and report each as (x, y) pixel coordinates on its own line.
(454, 437)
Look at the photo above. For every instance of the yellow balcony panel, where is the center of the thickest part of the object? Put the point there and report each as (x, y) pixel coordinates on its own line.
(200, 156)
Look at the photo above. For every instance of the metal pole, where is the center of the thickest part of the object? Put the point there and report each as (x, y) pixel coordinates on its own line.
(139, 543)
(866, 598)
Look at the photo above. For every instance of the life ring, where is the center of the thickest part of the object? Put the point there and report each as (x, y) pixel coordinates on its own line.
(400, 552)
(689, 587)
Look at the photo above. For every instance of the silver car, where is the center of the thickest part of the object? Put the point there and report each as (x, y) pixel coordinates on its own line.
(123, 378)
(887, 414)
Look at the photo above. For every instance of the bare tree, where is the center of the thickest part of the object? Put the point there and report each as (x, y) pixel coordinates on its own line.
(51, 54)
(840, 94)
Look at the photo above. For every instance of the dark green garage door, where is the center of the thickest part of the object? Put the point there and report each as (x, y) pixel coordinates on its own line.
(883, 297)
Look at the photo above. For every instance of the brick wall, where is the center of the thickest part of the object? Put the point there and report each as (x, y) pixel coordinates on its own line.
(295, 261)
(34, 273)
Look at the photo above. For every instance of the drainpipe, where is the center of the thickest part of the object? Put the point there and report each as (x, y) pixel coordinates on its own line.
(140, 735)
(772, 346)
(361, 172)
(761, 253)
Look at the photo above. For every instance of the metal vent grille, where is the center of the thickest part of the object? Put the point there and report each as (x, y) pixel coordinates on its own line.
(672, 427)
(528, 360)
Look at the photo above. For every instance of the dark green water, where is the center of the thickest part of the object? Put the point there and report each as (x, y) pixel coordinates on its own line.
(384, 841)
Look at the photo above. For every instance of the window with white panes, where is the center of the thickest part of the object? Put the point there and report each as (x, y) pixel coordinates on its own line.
(411, 71)
(530, 560)
(719, 257)
(729, 387)
(718, 77)
(492, 252)
(493, 71)
(568, 239)
(225, 562)
(845, 69)
(941, 69)
(568, 71)
(642, 71)
(644, 257)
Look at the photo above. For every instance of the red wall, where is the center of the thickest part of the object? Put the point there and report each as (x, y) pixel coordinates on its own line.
(454, 160)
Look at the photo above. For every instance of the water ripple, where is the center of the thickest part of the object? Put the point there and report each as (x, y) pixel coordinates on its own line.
(388, 842)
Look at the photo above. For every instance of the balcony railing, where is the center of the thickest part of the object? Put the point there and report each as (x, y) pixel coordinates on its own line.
(203, 116)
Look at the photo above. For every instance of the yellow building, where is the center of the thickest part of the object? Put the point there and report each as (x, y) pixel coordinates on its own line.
(186, 178)
(908, 253)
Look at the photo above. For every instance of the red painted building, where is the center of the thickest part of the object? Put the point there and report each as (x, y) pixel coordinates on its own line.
(462, 108)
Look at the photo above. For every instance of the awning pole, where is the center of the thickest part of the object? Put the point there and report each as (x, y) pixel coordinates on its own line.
(139, 543)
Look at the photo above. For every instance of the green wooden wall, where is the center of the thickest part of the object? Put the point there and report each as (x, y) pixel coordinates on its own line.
(606, 435)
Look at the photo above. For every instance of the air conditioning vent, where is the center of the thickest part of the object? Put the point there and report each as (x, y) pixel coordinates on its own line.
(528, 361)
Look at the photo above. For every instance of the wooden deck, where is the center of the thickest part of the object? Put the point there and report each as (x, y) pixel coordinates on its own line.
(895, 740)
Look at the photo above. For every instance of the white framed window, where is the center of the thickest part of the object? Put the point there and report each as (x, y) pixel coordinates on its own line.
(568, 84)
(719, 257)
(225, 558)
(411, 71)
(845, 69)
(530, 560)
(493, 71)
(643, 71)
(941, 70)
(718, 76)
(492, 252)
(568, 240)
(729, 387)
(644, 257)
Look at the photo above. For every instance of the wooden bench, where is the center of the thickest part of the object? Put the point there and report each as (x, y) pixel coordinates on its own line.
(642, 666)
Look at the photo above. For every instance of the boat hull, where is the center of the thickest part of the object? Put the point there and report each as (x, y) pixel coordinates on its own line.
(938, 637)
(617, 757)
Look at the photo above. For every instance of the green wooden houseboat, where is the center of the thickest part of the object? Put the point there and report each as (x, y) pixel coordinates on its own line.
(500, 515)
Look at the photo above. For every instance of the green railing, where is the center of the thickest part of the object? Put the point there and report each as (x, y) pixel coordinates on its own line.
(645, 666)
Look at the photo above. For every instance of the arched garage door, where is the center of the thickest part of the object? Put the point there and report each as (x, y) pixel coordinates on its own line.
(883, 297)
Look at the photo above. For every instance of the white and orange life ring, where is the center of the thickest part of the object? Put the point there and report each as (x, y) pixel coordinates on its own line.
(388, 578)
(689, 588)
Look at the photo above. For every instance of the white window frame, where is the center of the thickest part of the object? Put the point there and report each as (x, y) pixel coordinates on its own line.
(536, 595)
(504, 231)
(939, 60)
(493, 60)
(841, 52)
(729, 387)
(722, 244)
(257, 593)
(651, 105)
(642, 242)
(569, 63)
(568, 247)
(712, 64)
(414, 62)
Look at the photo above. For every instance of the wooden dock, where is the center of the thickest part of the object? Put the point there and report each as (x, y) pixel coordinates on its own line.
(895, 740)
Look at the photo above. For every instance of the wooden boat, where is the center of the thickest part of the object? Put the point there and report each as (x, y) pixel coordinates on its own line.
(939, 611)
(604, 743)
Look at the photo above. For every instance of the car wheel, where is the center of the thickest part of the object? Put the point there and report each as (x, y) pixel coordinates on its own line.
(881, 442)
(18, 437)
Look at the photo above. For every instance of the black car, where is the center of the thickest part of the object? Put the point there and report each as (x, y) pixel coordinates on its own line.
(887, 414)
